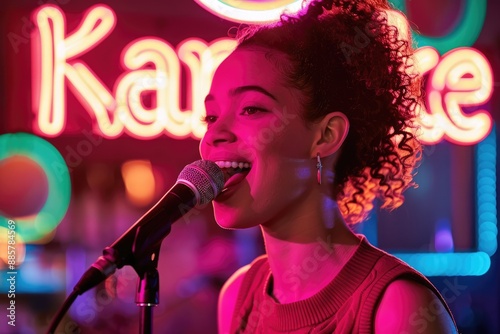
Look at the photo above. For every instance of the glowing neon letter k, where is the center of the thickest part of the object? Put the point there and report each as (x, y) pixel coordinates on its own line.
(52, 53)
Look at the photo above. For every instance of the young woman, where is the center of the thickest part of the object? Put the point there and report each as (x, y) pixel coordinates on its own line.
(311, 119)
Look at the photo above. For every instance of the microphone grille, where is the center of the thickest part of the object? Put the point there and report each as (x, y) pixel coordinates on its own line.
(205, 178)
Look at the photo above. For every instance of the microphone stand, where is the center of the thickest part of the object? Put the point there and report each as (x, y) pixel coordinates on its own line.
(140, 245)
(140, 248)
(145, 262)
(147, 293)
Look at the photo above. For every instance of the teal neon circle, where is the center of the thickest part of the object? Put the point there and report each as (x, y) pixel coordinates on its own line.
(465, 32)
(54, 166)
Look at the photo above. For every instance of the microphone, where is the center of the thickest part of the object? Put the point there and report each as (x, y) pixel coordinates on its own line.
(197, 184)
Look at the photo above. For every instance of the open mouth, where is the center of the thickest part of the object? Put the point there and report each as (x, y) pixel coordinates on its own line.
(234, 171)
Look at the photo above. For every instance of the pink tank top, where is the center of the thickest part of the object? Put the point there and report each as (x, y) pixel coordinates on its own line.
(345, 305)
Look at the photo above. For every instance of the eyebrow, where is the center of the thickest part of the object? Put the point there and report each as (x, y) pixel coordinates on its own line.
(244, 89)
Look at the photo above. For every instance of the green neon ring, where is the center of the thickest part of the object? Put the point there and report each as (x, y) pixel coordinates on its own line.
(465, 32)
(54, 166)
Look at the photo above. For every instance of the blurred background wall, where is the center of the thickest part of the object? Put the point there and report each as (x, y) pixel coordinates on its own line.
(73, 184)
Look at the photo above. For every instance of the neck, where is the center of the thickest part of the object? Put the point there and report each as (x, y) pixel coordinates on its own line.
(308, 253)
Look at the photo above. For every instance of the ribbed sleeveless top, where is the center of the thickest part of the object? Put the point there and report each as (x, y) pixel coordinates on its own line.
(345, 305)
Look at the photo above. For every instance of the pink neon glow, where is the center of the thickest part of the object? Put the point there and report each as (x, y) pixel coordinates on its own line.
(164, 80)
(123, 110)
(461, 78)
(55, 49)
(426, 59)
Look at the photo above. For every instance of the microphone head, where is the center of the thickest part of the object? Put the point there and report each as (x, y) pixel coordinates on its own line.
(205, 178)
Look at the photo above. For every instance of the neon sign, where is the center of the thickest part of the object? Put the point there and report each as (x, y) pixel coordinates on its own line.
(250, 11)
(459, 79)
(54, 60)
(38, 225)
(464, 33)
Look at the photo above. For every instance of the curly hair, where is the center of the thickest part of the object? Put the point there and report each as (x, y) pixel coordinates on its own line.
(345, 56)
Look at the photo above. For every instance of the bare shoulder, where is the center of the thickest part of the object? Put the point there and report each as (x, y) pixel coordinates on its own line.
(227, 299)
(410, 307)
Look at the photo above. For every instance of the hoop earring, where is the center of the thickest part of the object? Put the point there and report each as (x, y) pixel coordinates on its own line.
(319, 167)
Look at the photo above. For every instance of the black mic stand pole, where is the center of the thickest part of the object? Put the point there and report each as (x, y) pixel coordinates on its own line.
(145, 263)
(143, 255)
(147, 293)
(139, 247)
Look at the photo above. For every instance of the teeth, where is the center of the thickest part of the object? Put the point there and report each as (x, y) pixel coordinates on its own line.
(232, 164)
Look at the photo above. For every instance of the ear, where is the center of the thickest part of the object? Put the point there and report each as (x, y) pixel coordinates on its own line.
(331, 133)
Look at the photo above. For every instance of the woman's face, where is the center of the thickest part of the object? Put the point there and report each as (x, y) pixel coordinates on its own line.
(254, 121)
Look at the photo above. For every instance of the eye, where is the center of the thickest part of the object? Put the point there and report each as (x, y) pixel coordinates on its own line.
(208, 119)
(252, 110)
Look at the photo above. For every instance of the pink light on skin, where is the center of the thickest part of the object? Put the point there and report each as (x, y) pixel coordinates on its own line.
(253, 118)
(462, 78)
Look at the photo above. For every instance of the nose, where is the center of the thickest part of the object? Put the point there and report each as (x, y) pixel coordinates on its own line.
(221, 131)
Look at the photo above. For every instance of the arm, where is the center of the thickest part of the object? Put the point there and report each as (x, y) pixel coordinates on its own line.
(227, 299)
(409, 307)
